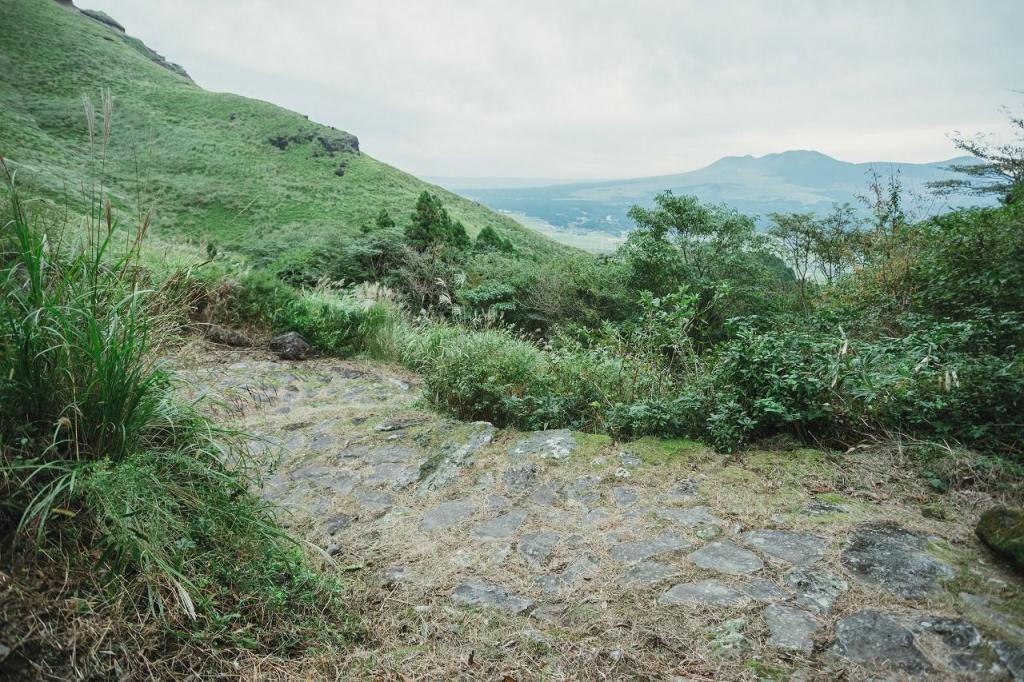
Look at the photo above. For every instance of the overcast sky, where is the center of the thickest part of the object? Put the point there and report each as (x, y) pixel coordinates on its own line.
(591, 89)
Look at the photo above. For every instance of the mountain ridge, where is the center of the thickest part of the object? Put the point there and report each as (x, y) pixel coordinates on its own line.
(788, 181)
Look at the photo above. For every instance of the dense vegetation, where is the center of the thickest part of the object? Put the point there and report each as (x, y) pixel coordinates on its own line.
(832, 329)
(112, 484)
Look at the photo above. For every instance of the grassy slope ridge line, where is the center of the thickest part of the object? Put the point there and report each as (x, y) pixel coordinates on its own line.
(209, 162)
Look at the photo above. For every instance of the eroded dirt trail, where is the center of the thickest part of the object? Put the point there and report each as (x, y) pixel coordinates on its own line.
(481, 553)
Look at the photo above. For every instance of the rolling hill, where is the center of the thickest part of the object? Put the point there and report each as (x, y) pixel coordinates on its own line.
(251, 177)
(788, 181)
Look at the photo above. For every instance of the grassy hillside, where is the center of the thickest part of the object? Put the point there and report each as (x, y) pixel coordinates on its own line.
(249, 176)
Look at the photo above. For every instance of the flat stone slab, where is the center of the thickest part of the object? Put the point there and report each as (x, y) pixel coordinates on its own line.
(683, 492)
(394, 454)
(537, 547)
(816, 590)
(692, 517)
(646, 573)
(726, 557)
(704, 592)
(790, 628)
(876, 639)
(763, 590)
(799, 549)
(394, 476)
(457, 455)
(521, 478)
(631, 552)
(546, 495)
(894, 559)
(624, 497)
(376, 502)
(475, 593)
(502, 527)
(584, 490)
(556, 444)
(579, 569)
(447, 514)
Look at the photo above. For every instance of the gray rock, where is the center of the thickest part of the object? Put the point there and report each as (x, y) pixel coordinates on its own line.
(630, 552)
(821, 508)
(498, 502)
(476, 593)
(763, 590)
(958, 634)
(584, 490)
(291, 346)
(376, 502)
(549, 614)
(1012, 656)
(683, 492)
(816, 590)
(629, 460)
(894, 558)
(595, 517)
(646, 573)
(537, 547)
(727, 640)
(520, 478)
(394, 476)
(800, 549)
(337, 522)
(876, 639)
(710, 592)
(227, 336)
(447, 514)
(546, 495)
(398, 424)
(437, 474)
(695, 516)
(390, 454)
(725, 557)
(790, 628)
(555, 444)
(707, 533)
(579, 569)
(624, 497)
(321, 442)
(502, 527)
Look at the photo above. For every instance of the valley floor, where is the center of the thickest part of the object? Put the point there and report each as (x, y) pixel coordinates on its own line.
(476, 553)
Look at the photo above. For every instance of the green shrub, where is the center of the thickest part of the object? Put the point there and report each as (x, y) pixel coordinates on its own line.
(105, 469)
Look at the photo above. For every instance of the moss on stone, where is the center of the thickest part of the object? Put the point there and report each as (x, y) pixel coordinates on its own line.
(1002, 529)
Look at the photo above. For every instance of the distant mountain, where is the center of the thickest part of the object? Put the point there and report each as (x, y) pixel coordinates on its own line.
(789, 181)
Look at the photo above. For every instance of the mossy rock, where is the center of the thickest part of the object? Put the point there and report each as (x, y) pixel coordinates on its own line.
(1002, 529)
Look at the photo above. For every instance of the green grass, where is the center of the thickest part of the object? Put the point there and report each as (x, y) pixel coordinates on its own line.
(205, 158)
(107, 477)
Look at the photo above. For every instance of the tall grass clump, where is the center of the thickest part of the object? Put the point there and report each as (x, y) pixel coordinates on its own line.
(105, 471)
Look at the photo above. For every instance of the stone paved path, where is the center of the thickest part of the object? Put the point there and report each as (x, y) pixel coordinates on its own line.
(650, 559)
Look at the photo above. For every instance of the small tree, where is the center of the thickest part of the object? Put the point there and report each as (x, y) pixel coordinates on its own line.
(430, 223)
(833, 252)
(489, 240)
(457, 236)
(384, 220)
(795, 237)
(1000, 171)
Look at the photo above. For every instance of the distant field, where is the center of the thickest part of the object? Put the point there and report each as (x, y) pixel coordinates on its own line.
(796, 181)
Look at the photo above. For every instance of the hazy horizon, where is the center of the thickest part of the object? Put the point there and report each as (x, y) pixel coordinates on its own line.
(586, 91)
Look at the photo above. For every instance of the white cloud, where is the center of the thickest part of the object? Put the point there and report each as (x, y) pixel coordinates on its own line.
(577, 88)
